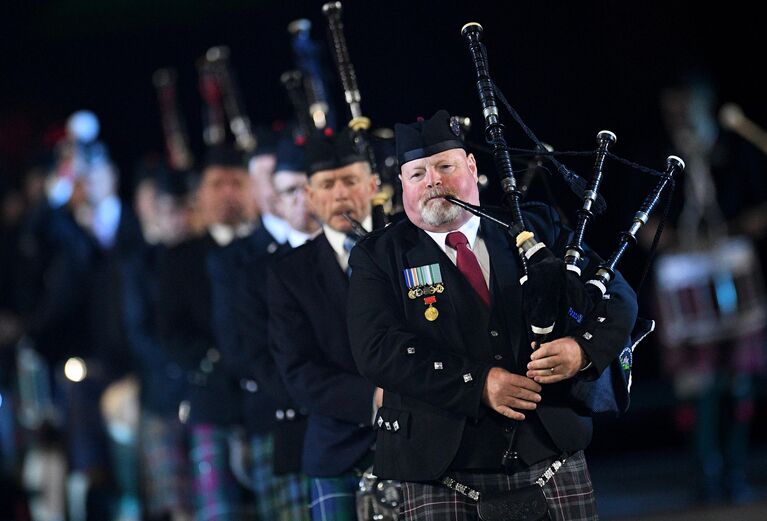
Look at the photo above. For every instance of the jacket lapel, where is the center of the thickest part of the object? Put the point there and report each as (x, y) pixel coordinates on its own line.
(505, 272)
(458, 315)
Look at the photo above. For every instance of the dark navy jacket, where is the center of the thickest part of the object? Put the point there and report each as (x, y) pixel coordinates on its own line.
(307, 293)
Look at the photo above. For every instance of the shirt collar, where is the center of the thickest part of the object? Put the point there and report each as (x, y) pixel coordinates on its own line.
(276, 226)
(296, 238)
(470, 229)
(223, 234)
(336, 238)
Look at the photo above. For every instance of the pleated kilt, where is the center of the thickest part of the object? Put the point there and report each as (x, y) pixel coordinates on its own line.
(334, 499)
(277, 497)
(569, 494)
(164, 464)
(218, 496)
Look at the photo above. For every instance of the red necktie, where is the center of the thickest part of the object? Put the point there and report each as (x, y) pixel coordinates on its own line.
(467, 264)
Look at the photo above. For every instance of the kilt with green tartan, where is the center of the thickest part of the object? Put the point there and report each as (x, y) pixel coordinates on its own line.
(278, 497)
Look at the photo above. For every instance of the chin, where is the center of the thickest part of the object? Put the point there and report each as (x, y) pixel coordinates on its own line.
(339, 223)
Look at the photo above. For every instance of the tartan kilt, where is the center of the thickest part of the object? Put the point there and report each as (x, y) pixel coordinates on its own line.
(217, 494)
(569, 494)
(283, 497)
(164, 464)
(334, 499)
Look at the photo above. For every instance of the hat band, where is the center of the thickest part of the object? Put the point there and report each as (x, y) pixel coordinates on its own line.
(332, 164)
(436, 148)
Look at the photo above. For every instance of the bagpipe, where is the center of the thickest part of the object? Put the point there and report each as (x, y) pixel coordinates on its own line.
(376, 499)
(179, 154)
(312, 75)
(223, 101)
(362, 134)
(559, 298)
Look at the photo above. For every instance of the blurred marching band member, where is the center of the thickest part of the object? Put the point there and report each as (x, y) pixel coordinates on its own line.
(163, 463)
(307, 291)
(77, 311)
(187, 331)
(274, 425)
(14, 205)
(261, 166)
(722, 196)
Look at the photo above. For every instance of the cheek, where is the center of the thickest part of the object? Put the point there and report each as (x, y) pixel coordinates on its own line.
(318, 204)
(362, 196)
(410, 200)
(279, 206)
(410, 196)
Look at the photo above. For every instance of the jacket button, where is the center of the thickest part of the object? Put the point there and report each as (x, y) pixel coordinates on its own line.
(249, 385)
(493, 333)
(498, 357)
(290, 414)
(279, 414)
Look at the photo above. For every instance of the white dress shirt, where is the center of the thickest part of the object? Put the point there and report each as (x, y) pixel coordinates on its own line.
(476, 244)
(336, 240)
(224, 234)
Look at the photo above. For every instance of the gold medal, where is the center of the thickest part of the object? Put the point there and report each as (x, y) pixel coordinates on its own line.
(431, 312)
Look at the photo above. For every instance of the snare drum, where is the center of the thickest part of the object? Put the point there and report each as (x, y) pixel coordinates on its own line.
(710, 295)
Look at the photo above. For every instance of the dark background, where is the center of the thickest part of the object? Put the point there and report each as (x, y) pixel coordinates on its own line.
(570, 69)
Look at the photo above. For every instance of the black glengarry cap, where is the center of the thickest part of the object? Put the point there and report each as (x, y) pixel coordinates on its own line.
(291, 156)
(427, 137)
(225, 156)
(328, 151)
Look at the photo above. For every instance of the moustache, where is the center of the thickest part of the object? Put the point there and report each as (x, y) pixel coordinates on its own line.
(435, 193)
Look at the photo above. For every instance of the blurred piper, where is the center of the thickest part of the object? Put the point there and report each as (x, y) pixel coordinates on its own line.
(186, 330)
(163, 459)
(274, 424)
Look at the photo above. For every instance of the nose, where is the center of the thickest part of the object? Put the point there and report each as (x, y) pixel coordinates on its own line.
(340, 191)
(433, 177)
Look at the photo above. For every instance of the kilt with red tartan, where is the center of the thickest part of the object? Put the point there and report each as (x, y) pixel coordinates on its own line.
(569, 494)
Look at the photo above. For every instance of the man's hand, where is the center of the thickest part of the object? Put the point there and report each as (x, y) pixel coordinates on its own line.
(505, 392)
(378, 397)
(556, 361)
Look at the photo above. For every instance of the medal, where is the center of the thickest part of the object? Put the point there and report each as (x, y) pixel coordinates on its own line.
(431, 313)
(423, 280)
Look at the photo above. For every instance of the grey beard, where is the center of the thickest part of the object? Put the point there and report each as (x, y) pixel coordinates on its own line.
(440, 213)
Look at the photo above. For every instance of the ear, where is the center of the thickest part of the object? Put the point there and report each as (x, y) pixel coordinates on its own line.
(472, 163)
(374, 183)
